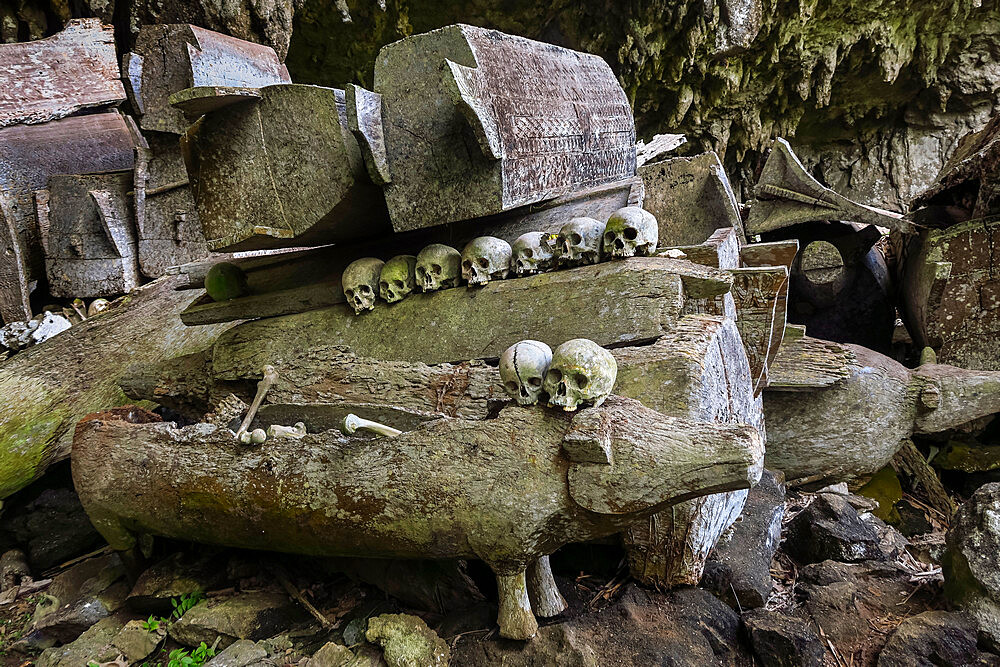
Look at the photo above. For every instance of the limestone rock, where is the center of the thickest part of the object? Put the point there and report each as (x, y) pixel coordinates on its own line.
(254, 615)
(407, 641)
(782, 640)
(92, 645)
(739, 570)
(934, 638)
(52, 525)
(831, 529)
(242, 653)
(136, 642)
(171, 578)
(971, 569)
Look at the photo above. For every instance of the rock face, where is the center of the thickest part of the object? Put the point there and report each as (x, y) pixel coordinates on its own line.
(782, 640)
(406, 640)
(831, 529)
(254, 615)
(933, 638)
(971, 570)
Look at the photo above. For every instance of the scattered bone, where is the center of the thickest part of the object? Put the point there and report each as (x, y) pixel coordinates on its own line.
(278, 431)
(270, 377)
(438, 267)
(630, 231)
(360, 283)
(523, 367)
(582, 373)
(485, 258)
(352, 423)
(255, 437)
(397, 280)
(97, 306)
(579, 242)
(533, 252)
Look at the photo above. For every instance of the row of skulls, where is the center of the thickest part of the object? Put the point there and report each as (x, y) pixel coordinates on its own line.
(579, 373)
(629, 232)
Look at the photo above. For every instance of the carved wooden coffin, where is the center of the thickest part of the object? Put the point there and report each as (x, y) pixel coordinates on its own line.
(951, 293)
(29, 155)
(52, 78)
(88, 231)
(169, 58)
(279, 171)
(691, 197)
(468, 122)
(169, 230)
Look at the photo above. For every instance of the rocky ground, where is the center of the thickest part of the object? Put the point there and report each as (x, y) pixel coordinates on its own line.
(842, 588)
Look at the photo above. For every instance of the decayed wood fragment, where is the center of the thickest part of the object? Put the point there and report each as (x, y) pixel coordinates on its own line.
(804, 363)
(476, 122)
(47, 388)
(29, 155)
(951, 293)
(855, 425)
(498, 489)
(691, 198)
(760, 295)
(280, 171)
(170, 58)
(52, 78)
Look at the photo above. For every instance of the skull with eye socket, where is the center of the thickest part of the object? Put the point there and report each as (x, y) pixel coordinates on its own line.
(533, 252)
(523, 366)
(582, 373)
(360, 283)
(485, 258)
(579, 242)
(631, 232)
(438, 267)
(397, 280)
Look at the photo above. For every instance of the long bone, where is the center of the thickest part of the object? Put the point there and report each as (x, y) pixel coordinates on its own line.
(352, 423)
(270, 377)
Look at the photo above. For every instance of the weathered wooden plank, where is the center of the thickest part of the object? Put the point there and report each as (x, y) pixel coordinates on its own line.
(656, 147)
(951, 293)
(14, 288)
(556, 122)
(761, 294)
(51, 78)
(198, 101)
(167, 59)
(691, 198)
(281, 171)
(805, 363)
(773, 253)
(612, 303)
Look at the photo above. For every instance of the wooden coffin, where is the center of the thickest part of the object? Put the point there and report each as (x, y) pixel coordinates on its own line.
(51, 78)
(280, 170)
(170, 58)
(467, 122)
(87, 223)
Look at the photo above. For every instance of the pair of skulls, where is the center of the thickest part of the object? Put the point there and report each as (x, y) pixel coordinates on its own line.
(580, 372)
(368, 277)
(629, 232)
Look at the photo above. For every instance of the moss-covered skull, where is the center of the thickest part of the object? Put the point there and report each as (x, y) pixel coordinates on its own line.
(533, 252)
(360, 283)
(438, 267)
(397, 279)
(485, 258)
(630, 232)
(579, 242)
(523, 366)
(582, 373)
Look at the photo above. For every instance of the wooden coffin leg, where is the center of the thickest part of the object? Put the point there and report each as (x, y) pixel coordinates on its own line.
(545, 597)
(515, 617)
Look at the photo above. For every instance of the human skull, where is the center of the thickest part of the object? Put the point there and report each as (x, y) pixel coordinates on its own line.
(397, 279)
(438, 267)
(360, 283)
(579, 242)
(533, 252)
(630, 232)
(523, 366)
(485, 258)
(582, 372)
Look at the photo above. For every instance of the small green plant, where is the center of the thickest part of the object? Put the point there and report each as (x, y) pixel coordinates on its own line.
(182, 658)
(152, 624)
(184, 603)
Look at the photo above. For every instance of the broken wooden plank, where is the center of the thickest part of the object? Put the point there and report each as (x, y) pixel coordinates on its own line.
(773, 253)
(761, 298)
(786, 194)
(691, 197)
(467, 134)
(951, 293)
(805, 363)
(281, 171)
(460, 323)
(167, 59)
(14, 287)
(198, 101)
(657, 147)
(48, 79)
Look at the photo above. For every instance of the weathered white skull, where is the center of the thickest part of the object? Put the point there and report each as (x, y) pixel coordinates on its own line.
(397, 279)
(579, 242)
(438, 267)
(582, 373)
(523, 366)
(485, 258)
(630, 232)
(360, 283)
(533, 252)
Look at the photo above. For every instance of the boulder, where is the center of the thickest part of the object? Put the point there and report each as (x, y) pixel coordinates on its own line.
(971, 564)
(239, 654)
(135, 642)
(53, 527)
(331, 654)
(407, 641)
(739, 570)
(831, 529)
(254, 615)
(93, 645)
(783, 640)
(173, 577)
(934, 638)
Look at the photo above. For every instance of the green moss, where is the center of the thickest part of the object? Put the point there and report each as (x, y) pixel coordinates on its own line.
(884, 488)
(25, 437)
(968, 457)
(226, 281)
